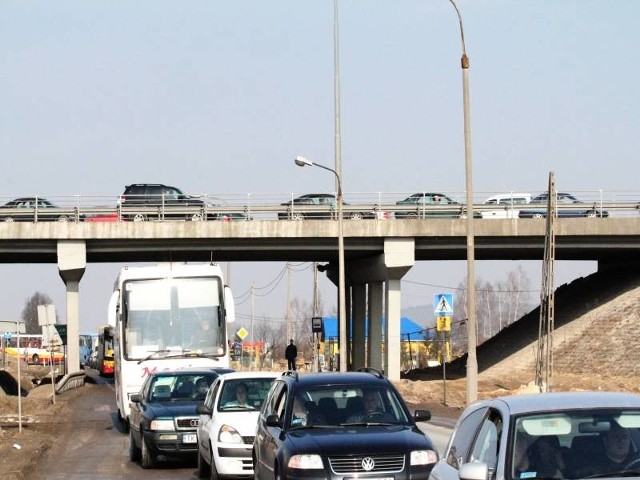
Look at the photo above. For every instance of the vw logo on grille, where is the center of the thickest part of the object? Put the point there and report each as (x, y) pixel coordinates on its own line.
(368, 464)
(193, 422)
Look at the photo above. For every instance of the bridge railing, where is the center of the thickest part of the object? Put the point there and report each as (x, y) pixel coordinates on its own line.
(379, 206)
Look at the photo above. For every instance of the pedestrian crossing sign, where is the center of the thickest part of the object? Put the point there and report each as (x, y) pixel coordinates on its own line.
(443, 304)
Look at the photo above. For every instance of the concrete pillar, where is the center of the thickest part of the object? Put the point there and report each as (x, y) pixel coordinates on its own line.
(376, 299)
(359, 339)
(392, 331)
(72, 261)
(399, 257)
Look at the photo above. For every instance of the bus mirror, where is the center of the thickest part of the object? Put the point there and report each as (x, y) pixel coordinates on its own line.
(229, 305)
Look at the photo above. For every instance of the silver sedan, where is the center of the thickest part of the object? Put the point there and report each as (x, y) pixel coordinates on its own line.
(546, 435)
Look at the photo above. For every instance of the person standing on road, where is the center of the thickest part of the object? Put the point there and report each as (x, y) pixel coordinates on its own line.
(290, 353)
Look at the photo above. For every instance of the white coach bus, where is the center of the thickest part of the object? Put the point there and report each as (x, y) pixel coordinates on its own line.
(167, 316)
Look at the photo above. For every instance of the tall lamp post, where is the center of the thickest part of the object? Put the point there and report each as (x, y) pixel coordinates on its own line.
(342, 308)
(472, 361)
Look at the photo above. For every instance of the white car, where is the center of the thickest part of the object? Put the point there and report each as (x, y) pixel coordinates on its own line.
(227, 424)
(504, 205)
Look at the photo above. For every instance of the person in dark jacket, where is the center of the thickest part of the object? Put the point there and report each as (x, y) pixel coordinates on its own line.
(290, 353)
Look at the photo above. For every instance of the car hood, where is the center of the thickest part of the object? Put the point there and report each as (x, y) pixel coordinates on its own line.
(172, 409)
(355, 440)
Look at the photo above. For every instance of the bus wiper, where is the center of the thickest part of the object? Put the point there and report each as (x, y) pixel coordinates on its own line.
(153, 354)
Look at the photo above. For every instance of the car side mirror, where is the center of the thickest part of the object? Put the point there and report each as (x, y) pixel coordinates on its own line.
(203, 410)
(422, 416)
(273, 420)
(473, 471)
(135, 398)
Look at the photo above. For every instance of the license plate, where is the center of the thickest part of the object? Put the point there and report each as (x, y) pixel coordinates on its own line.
(189, 438)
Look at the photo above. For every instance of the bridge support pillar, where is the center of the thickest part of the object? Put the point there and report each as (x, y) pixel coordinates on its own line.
(359, 339)
(399, 257)
(376, 301)
(72, 261)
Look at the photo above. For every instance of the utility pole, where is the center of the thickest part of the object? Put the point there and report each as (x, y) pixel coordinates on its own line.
(316, 341)
(288, 310)
(544, 355)
(253, 307)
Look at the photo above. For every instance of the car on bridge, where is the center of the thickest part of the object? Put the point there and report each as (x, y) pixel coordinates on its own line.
(568, 206)
(323, 206)
(505, 205)
(431, 205)
(36, 209)
(154, 201)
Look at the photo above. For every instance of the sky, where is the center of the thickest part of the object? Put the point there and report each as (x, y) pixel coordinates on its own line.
(218, 97)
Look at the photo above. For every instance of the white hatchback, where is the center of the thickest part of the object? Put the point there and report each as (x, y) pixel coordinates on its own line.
(504, 205)
(227, 423)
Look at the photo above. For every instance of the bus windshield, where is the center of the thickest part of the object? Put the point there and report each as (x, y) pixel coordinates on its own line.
(177, 316)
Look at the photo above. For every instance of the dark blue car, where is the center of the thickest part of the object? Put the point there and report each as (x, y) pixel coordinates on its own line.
(338, 425)
(163, 415)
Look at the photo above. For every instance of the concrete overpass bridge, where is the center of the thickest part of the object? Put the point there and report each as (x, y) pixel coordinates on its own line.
(378, 254)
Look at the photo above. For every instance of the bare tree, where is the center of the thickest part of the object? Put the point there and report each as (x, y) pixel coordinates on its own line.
(29, 313)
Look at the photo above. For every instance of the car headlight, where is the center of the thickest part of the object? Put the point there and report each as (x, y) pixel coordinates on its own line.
(306, 462)
(423, 457)
(161, 424)
(228, 434)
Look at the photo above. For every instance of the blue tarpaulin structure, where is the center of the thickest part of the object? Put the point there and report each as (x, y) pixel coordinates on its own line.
(407, 326)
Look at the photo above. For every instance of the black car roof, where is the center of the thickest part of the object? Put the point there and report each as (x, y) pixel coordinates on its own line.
(335, 378)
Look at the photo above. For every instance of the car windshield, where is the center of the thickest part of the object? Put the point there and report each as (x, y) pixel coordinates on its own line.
(244, 394)
(181, 388)
(346, 405)
(576, 444)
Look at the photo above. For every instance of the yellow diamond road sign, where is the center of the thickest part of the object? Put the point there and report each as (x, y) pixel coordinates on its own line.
(242, 333)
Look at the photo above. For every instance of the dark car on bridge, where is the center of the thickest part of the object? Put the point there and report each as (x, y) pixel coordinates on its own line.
(36, 209)
(567, 206)
(154, 201)
(336, 425)
(323, 206)
(163, 417)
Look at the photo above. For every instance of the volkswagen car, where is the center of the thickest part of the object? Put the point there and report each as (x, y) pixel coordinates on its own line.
(318, 426)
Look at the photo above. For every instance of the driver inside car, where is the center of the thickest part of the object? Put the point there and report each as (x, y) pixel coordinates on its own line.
(372, 411)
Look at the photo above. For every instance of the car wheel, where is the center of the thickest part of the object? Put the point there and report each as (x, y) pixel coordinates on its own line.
(356, 216)
(8, 219)
(297, 216)
(213, 471)
(63, 218)
(591, 214)
(134, 452)
(196, 217)
(148, 459)
(411, 216)
(537, 215)
(139, 217)
(462, 215)
(203, 467)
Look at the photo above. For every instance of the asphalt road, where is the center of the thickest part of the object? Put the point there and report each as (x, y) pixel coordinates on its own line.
(91, 445)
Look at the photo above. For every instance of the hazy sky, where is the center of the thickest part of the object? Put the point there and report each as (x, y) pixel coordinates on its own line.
(219, 96)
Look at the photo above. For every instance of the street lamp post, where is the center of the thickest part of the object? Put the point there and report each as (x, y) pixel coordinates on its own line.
(472, 361)
(342, 308)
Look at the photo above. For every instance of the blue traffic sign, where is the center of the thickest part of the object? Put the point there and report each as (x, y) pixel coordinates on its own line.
(443, 304)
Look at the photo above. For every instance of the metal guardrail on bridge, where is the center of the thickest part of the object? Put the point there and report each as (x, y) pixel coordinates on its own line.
(253, 207)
